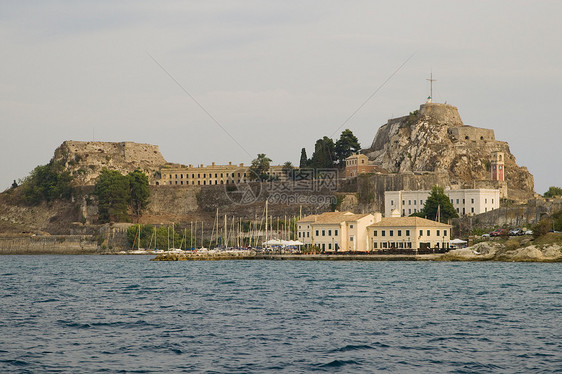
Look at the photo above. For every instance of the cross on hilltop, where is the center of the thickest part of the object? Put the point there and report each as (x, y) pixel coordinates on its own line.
(431, 80)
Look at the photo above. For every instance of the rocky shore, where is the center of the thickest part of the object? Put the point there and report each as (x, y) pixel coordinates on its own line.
(480, 252)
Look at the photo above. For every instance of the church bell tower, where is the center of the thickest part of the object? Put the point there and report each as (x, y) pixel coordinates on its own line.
(497, 166)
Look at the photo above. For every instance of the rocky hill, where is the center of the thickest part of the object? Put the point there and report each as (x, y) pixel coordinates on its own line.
(434, 139)
(85, 160)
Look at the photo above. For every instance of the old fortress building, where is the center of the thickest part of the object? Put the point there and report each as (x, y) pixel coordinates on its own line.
(209, 175)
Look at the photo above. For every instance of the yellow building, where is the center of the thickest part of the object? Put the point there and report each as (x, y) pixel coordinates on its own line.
(336, 231)
(213, 174)
(408, 233)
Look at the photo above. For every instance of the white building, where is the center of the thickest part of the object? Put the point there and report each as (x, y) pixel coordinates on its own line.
(466, 202)
(408, 233)
(336, 231)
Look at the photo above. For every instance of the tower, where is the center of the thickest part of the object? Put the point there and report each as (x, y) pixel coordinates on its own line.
(497, 166)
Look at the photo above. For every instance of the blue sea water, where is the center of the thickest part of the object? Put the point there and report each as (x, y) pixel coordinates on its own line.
(125, 314)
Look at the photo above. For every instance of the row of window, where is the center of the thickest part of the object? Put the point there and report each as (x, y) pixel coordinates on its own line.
(404, 245)
(329, 232)
(407, 232)
(329, 246)
(452, 201)
(203, 183)
(223, 175)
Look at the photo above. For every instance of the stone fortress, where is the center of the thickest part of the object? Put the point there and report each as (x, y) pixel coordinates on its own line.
(434, 139)
(85, 160)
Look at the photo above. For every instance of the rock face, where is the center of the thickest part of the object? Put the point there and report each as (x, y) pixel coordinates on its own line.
(434, 139)
(85, 160)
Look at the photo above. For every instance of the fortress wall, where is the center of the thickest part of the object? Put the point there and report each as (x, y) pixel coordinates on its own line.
(136, 152)
(48, 244)
(469, 133)
(442, 113)
(371, 187)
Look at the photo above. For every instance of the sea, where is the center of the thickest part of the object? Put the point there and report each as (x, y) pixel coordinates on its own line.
(126, 314)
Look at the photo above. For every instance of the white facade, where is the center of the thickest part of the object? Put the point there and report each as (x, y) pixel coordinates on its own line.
(336, 231)
(466, 202)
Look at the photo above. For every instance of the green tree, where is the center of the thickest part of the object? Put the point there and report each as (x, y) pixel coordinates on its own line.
(346, 145)
(324, 154)
(47, 183)
(542, 227)
(259, 168)
(114, 195)
(437, 201)
(304, 161)
(288, 169)
(139, 191)
(159, 237)
(553, 191)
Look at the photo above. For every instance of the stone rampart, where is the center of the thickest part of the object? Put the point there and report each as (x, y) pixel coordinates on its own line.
(442, 113)
(48, 244)
(85, 160)
(470, 133)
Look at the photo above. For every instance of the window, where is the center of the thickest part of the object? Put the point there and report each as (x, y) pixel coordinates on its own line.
(391, 233)
(403, 202)
(409, 202)
(444, 232)
(391, 202)
(407, 232)
(308, 234)
(317, 233)
(428, 234)
(383, 233)
(457, 210)
(350, 226)
(492, 201)
(457, 201)
(486, 201)
(437, 232)
(351, 238)
(323, 246)
(299, 234)
(472, 201)
(374, 245)
(463, 211)
(463, 201)
(375, 233)
(323, 232)
(399, 232)
(409, 211)
(329, 245)
(329, 232)
(421, 202)
(421, 232)
(415, 210)
(403, 212)
(336, 232)
(451, 201)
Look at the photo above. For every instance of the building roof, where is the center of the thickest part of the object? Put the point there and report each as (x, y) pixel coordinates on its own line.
(408, 222)
(333, 217)
(311, 218)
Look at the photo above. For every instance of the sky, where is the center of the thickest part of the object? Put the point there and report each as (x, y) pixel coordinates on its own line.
(219, 81)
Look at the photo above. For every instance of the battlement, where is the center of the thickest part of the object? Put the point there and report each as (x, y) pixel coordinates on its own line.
(469, 133)
(442, 113)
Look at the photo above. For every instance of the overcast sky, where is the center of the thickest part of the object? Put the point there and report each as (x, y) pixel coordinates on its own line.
(276, 75)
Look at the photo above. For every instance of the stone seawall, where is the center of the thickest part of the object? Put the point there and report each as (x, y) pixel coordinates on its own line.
(49, 244)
